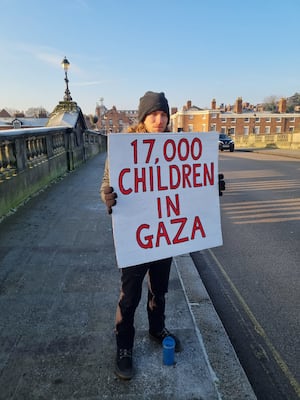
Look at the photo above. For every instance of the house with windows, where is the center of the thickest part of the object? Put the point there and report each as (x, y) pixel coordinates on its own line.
(239, 120)
(114, 120)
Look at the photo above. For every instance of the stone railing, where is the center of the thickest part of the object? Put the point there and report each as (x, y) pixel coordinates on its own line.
(281, 140)
(32, 158)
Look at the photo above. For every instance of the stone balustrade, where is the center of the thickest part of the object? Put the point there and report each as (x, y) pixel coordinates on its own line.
(32, 158)
(289, 141)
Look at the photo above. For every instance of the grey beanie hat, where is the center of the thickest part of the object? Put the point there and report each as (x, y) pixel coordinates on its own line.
(150, 102)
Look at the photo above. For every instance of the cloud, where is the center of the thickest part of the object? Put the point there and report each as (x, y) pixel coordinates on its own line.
(48, 58)
(47, 55)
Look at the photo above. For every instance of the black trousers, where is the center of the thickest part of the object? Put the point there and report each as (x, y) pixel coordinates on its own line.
(131, 291)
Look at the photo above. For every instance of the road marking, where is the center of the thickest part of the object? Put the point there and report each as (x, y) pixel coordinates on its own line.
(249, 209)
(234, 188)
(257, 212)
(252, 173)
(259, 202)
(259, 329)
(268, 220)
(261, 156)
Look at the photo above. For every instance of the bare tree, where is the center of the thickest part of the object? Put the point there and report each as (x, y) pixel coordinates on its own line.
(270, 103)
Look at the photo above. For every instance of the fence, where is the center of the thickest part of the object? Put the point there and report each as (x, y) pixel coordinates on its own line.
(32, 158)
(282, 140)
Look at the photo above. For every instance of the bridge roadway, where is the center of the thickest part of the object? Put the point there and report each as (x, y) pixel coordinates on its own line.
(59, 286)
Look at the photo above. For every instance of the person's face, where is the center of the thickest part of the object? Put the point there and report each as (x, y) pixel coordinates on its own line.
(156, 121)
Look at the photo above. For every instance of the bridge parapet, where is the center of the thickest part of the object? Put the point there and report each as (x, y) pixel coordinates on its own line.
(282, 140)
(32, 158)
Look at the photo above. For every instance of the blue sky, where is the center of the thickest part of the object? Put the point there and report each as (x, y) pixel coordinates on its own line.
(192, 50)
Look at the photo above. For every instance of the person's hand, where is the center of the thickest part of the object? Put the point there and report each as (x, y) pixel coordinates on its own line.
(110, 198)
(221, 184)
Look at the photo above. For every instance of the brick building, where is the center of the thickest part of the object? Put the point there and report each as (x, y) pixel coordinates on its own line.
(114, 120)
(240, 119)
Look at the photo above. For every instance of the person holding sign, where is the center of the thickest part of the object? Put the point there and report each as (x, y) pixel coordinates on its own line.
(153, 117)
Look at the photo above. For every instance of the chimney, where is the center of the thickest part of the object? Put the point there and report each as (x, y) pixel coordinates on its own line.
(174, 110)
(213, 104)
(282, 105)
(238, 107)
(188, 104)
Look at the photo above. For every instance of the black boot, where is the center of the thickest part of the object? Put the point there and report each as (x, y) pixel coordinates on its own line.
(124, 369)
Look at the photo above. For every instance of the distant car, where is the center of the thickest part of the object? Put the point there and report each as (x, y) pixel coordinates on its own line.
(225, 142)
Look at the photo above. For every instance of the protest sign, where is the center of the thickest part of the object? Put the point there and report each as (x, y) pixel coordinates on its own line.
(168, 197)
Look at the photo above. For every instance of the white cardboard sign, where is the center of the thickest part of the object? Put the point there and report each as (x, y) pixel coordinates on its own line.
(168, 197)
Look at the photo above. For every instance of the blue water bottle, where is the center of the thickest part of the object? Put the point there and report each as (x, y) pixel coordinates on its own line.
(168, 350)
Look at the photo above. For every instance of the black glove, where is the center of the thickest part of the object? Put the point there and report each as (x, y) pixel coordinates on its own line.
(110, 198)
(221, 184)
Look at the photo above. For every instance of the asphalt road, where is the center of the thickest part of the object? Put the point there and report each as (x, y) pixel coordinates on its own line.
(254, 278)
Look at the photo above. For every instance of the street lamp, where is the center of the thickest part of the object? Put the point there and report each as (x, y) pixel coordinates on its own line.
(65, 64)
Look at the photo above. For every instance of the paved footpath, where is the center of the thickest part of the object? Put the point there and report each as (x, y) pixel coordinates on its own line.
(59, 286)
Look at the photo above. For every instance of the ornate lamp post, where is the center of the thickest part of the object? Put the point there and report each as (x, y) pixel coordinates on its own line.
(65, 64)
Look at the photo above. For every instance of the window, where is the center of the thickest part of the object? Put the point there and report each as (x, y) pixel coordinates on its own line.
(223, 119)
(278, 129)
(214, 115)
(223, 129)
(292, 119)
(256, 130)
(257, 119)
(268, 119)
(120, 122)
(278, 119)
(246, 119)
(191, 116)
(291, 129)
(246, 130)
(213, 127)
(190, 128)
(233, 120)
(267, 129)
